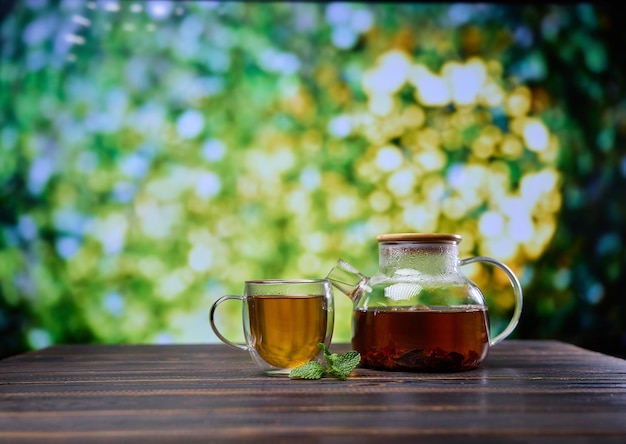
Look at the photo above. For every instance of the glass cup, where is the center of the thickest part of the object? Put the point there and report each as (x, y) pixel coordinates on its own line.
(283, 321)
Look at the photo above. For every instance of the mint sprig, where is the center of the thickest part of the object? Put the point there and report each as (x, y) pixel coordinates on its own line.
(337, 366)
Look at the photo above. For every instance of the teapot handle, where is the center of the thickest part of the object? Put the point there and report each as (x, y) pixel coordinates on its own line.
(517, 290)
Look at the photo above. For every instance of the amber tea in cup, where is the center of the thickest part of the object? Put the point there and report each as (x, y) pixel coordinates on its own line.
(283, 321)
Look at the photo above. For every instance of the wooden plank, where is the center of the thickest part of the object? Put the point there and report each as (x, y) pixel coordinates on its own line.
(526, 391)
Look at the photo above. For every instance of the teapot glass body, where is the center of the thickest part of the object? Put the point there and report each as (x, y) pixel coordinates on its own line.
(419, 312)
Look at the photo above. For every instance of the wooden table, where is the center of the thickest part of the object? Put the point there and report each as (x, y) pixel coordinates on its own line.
(527, 391)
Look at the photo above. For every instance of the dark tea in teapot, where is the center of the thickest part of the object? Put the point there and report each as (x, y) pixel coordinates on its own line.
(427, 339)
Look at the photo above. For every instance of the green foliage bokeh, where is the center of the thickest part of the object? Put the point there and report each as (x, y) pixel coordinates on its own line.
(154, 155)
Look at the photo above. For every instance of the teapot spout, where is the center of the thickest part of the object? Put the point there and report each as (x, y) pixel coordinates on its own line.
(348, 280)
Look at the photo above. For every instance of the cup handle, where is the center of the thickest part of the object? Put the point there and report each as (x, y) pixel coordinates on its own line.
(517, 290)
(214, 327)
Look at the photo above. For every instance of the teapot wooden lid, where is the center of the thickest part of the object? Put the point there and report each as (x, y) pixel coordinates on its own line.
(420, 238)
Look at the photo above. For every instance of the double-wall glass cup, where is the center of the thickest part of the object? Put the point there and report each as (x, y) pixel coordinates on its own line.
(283, 321)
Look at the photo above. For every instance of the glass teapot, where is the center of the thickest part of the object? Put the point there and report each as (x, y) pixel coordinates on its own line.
(419, 312)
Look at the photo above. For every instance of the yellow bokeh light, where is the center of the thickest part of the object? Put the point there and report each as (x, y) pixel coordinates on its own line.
(200, 236)
(428, 139)
(388, 75)
(467, 230)
(513, 206)
(536, 135)
(402, 182)
(151, 267)
(342, 207)
(173, 283)
(298, 202)
(200, 258)
(380, 201)
(521, 228)
(433, 189)
(491, 132)
(511, 146)
(380, 104)
(156, 220)
(498, 182)
(368, 169)
(491, 95)
(466, 80)
(431, 90)
(389, 158)
(518, 102)
(451, 138)
(516, 125)
(391, 126)
(307, 262)
(431, 160)
(500, 247)
(543, 233)
(463, 117)
(491, 224)
(550, 154)
(314, 241)
(413, 116)
(483, 147)
(453, 208)
(550, 203)
(422, 218)
(534, 186)
(379, 223)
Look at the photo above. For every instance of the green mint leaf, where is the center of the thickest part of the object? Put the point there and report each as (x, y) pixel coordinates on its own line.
(349, 361)
(310, 370)
(344, 364)
(338, 366)
(331, 359)
(324, 349)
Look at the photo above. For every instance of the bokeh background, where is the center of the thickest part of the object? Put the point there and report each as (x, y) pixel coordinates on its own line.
(154, 155)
